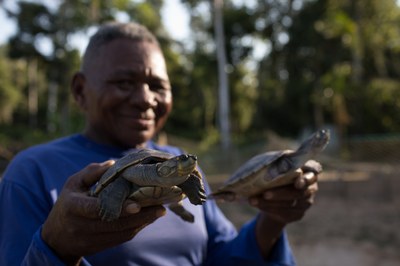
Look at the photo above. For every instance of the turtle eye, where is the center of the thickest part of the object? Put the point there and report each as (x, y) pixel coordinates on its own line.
(183, 157)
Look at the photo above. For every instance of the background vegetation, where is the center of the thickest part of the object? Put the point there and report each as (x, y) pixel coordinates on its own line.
(325, 62)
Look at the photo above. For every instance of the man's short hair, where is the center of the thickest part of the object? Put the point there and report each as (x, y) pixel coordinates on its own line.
(116, 30)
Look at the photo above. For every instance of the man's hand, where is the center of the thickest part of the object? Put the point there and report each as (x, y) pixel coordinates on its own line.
(74, 229)
(282, 205)
(288, 203)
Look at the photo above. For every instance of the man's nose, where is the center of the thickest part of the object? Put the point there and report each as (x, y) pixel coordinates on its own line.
(143, 96)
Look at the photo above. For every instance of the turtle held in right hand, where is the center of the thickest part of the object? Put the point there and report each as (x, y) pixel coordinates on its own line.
(271, 169)
(150, 177)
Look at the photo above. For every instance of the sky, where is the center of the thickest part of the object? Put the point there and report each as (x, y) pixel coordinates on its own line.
(176, 21)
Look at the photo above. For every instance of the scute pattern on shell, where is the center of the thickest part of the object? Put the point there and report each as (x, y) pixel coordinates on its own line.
(127, 161)
(255, 164)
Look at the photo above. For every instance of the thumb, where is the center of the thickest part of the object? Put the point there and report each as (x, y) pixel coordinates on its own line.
(88, 176)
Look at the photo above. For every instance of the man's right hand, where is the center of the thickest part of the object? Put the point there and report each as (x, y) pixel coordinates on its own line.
(74, 229)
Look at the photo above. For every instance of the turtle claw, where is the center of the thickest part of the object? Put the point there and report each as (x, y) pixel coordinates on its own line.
(179, 210)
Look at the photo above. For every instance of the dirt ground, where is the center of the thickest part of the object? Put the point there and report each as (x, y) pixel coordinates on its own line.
(339, 232)
(355, 220)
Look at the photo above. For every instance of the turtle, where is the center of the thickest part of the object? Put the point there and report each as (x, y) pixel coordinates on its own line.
(150, 177)
(271, 169)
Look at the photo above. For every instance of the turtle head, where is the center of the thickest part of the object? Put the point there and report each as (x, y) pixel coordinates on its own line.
(181, 165)
(186, 163)
(315, 143)
(320, 140)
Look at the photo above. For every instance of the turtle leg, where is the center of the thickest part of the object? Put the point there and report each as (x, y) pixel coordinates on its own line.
(194, 190)
(179, 210)
(112, 198)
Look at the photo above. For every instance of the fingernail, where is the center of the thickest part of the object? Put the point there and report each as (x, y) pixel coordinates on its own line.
(309, 175)
(108, 163)
(132, 208)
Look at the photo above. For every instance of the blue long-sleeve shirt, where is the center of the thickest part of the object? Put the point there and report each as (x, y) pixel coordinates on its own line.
(33, 180)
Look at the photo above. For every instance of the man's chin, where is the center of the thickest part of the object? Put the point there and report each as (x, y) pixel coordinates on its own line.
(139, 138)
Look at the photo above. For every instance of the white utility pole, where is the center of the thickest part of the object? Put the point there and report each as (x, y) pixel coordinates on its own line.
(223, 90)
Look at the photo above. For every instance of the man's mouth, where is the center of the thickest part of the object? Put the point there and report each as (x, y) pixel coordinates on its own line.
(139, 121)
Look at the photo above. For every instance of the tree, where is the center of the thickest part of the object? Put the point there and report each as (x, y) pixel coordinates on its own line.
(37, 24)
(10, 93)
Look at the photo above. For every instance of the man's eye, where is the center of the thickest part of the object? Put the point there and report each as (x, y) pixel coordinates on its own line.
(158, 87)
(124, 85)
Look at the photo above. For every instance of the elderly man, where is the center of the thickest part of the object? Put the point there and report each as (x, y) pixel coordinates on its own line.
(48, 218)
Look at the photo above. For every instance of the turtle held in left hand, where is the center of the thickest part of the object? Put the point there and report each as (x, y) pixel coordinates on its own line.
(273, 169)
(289, 203)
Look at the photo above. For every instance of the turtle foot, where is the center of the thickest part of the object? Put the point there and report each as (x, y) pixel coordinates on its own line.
(194, 190)
(108, 215)
(179, 210)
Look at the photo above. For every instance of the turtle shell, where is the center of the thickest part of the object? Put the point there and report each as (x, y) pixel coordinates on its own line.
(113, 189)
(255, 164)
(272, 169)
(142, 156)
(252, 175)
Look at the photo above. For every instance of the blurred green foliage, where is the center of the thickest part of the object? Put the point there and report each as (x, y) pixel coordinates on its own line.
(324, 62)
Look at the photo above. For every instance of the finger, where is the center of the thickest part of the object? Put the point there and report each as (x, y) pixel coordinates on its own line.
(84, 206)
(305, 180)
(285, 193)
(311, 190)
(130, 207)
(281, 193)
(312, 166)
(99, 235)
(88, 176)
(287, 204)
(144, 217)
(111, 239)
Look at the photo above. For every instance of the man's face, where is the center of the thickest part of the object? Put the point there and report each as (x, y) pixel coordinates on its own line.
(126, 93)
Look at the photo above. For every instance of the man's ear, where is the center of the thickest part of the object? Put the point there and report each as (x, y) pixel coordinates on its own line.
(78, 85)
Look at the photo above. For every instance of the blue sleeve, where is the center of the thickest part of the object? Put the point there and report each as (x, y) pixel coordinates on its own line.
(40, 254)
(21, 214)
(226, 246)
(24, 207)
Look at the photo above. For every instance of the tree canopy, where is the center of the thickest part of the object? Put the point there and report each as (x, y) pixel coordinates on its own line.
(323, 62)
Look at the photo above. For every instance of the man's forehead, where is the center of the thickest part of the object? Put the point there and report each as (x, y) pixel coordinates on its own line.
(140, 69)
(135, 57)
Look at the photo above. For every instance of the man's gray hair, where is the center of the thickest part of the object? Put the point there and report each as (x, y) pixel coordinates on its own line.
(116, 30)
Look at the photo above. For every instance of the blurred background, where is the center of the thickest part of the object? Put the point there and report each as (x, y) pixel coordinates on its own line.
(247, 77)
